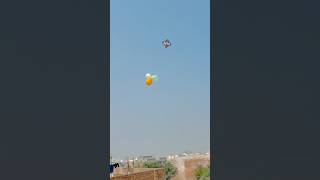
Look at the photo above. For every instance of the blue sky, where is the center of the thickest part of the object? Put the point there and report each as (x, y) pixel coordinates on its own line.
(173, 115)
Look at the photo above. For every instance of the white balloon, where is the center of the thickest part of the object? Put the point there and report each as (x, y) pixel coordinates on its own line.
(148, 75)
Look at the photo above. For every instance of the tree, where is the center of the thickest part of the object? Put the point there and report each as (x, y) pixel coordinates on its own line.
(152, 164)
(169, 169)
(202, 173)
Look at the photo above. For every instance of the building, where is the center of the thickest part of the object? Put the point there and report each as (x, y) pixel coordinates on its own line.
(162, 160)
(146, 158)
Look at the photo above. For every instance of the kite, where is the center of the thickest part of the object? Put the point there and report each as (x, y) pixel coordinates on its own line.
(166, 43)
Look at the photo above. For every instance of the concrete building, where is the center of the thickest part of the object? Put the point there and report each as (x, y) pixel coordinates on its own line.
(146, 158)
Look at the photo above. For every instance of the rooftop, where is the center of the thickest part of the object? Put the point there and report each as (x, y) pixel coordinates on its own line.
(138, 173)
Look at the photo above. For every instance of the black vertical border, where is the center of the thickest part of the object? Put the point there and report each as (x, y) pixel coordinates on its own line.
(103, 76)
(212, 26)
(216, 93)
(107, 79)
(30, 147)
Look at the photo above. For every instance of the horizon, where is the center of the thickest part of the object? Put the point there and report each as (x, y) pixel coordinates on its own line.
(157, 157)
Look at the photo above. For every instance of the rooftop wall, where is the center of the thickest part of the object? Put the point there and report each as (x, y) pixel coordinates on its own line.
(142, 174)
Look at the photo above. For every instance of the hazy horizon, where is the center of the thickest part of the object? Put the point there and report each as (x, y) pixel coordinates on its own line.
(173, 115)
(155, 156)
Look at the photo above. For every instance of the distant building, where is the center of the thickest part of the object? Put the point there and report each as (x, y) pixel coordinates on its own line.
(188, 152)
(151, 160)
(146, 158)
(163, 159)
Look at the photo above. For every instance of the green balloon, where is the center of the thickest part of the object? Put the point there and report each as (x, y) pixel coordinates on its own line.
(155, 78)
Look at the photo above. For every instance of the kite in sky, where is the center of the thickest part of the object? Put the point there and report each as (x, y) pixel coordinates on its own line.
(166, 43)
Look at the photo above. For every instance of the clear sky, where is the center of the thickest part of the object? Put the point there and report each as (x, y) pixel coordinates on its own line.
(173, 115)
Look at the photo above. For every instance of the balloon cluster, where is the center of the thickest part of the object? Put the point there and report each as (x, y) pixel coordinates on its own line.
(150, 79)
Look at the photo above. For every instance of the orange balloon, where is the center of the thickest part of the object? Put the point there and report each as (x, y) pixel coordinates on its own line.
(148, 81)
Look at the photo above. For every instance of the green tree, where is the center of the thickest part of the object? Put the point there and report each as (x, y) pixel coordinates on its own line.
(202, 173)
(169, 169)
(151, 164)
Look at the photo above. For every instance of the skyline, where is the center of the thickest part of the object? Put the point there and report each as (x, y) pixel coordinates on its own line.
(173, 115)
(181, 154)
